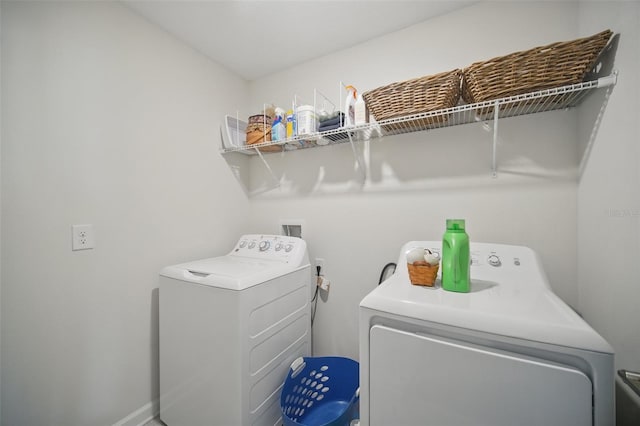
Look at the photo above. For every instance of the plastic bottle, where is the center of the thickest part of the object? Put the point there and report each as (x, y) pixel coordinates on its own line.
(361, 113)
(292, 130)
(350, 107)
(455, 257)
(306, 120)
(278, 130)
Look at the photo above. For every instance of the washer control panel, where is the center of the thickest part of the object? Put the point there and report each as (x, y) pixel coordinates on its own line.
(275, 247)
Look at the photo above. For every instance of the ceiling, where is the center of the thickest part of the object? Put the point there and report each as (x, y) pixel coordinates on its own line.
(260, 37)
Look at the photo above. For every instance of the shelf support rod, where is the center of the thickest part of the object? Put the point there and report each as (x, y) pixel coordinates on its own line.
(494, 166)
(268, 167)
(363, 171)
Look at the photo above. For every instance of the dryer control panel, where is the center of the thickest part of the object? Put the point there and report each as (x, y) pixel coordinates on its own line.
(273, 247)
(491, 261)
(484, 254)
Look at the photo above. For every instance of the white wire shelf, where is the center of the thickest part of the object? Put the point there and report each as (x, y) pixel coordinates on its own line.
(528, 103)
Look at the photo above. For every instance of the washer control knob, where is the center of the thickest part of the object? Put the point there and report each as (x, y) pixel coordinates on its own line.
(252, 244)
(278, 246)
(494, 260)
(243, 243)
(264, 245)
(288, 248)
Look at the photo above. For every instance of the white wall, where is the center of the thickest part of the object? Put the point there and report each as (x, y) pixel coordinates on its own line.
(608, 196)
(0, 226)
(110, 121)
(415, 182)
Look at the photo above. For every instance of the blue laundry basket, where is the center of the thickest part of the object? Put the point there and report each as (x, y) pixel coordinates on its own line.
(321, 391)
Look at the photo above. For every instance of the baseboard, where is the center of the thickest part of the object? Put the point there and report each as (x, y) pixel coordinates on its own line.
(141, 416)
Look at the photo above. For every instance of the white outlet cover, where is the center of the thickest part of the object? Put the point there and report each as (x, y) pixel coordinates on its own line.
(82, 237)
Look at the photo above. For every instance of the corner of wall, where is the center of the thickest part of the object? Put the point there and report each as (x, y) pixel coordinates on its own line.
(1, 99)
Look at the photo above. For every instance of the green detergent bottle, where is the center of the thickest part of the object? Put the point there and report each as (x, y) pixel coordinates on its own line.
(455, 258)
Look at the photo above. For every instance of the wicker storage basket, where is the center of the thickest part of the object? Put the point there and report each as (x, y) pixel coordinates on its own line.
(424, 275)
(415, 96)
(544, 67)
(259, 131)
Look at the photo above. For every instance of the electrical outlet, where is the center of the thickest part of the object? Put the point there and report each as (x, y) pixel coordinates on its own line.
(320, 262)
(82, 237)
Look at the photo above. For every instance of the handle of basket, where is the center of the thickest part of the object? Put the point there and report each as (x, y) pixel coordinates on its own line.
(297, 366)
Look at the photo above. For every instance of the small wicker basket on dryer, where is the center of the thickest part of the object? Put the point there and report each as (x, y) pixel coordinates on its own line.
(545, 67)
(421, 273)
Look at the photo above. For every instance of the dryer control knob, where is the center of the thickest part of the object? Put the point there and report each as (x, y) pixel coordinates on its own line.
(252, 244)
(494, 260)
(278, 246)
(264, 245)
(243, 243)
(288, 248)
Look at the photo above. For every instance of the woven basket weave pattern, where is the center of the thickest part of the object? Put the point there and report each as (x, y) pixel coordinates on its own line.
(540, 68)
(418, 95)
(256, 133)
(424, 275)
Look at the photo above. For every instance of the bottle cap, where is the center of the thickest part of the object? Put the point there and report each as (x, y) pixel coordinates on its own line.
(455, 224)
(355, 92)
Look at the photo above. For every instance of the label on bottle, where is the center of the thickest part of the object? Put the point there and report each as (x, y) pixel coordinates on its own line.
(306, 121)
(361, 113)
(291, 125)
(278, 131)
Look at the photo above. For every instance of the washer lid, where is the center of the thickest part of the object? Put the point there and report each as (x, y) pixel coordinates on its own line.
(513, 299)
(230, 272)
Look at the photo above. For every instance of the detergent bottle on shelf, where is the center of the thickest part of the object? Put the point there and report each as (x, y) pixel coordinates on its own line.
(361, 111)
(456, 274)
(278, 130)
(350, 107)
(291, 127)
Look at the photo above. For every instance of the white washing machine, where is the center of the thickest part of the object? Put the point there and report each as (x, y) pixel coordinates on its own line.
(509, 353)
(230, 327)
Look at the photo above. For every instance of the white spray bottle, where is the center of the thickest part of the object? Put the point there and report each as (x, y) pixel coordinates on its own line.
(361, 111)
(350, 107)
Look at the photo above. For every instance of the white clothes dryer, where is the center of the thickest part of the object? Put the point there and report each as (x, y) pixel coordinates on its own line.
(508, 353)
(230, 327)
